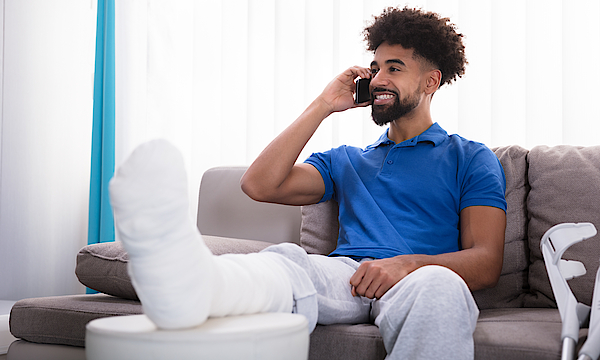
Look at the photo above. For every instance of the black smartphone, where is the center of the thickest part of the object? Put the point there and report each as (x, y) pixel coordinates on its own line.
(362, 94)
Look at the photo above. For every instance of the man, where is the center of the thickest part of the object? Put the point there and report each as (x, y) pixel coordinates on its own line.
(422, 213)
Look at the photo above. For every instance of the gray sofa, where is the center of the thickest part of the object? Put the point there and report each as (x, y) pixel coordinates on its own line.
(518, 319)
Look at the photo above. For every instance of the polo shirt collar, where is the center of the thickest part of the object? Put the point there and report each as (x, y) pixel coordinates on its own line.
(434, 134)
(383, 140)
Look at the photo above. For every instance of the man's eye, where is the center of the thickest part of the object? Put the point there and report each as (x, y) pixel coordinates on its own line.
(374, 71)
(394, 69)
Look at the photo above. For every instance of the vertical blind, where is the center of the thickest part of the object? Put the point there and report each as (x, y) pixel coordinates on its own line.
(220, 79)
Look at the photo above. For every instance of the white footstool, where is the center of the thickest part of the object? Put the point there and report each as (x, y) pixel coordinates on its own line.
(6, 337)
(259, 336)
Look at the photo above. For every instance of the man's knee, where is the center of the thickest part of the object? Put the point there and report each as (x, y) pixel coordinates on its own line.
(291, 252)
(437, 278)
(430, 294)
(434, 285)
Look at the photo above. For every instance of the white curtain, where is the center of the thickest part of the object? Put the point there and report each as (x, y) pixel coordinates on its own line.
(220, 79)
(45, 135)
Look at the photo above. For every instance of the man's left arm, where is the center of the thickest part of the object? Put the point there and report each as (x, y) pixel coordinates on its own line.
(479, 262)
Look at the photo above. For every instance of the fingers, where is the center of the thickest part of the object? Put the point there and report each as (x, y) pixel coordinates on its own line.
(356, 279)
(371, 281)
(381, 290)
(338, 95)
(359, 71)
(364, 74)
(366, 281)
(351, 74)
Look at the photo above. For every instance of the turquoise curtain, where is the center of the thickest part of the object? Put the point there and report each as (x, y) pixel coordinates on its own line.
(101, 223)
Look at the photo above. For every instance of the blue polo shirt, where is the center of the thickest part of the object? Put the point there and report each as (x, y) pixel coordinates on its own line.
(406, 198)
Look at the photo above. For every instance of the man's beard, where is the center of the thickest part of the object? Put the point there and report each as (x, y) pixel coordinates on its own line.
(384, 114)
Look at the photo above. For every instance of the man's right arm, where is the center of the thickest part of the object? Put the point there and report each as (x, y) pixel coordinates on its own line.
(274, 176)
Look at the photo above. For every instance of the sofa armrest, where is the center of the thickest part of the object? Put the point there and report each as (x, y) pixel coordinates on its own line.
(224, 210)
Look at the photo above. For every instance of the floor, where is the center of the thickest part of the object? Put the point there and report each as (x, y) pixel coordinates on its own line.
(3, 357)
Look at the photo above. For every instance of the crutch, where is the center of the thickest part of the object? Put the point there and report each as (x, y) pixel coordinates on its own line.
(554, 243)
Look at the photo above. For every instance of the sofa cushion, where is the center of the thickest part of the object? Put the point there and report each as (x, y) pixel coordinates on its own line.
(62, 319)
(565, 188)
(103, 267)
(500, 334)
(320, 226)
(519, 334)
(342, 341)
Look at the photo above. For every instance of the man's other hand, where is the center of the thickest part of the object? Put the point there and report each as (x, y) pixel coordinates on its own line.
(374, 278)
(338, 95)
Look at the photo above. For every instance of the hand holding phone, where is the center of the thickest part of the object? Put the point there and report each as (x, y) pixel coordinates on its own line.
(362, 94)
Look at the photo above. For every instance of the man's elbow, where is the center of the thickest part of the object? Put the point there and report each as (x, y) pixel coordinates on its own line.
(257, 189)
(490, 279)
(252, 188)
(491, 282)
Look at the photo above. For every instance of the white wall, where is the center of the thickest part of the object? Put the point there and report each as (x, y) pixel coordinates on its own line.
(46, 118)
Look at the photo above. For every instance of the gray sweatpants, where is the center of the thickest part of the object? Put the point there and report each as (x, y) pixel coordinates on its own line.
(430, 314)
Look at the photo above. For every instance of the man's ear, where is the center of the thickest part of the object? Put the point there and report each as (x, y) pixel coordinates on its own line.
(434, 77)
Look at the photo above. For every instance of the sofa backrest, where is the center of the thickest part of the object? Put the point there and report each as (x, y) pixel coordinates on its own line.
(544, 187)
(224, 210)
(565, 188)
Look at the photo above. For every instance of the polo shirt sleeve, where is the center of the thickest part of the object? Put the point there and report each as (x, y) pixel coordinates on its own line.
(484, 183)
(322, 161)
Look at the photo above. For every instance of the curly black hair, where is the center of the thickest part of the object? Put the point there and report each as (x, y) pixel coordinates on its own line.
(430, 36)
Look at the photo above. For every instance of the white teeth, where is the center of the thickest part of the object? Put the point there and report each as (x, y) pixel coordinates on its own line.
(384, 96)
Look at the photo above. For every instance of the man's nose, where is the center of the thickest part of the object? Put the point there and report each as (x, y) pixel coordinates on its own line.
(379, 79)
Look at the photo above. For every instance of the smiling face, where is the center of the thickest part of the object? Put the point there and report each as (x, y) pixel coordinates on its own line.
(397, 83)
